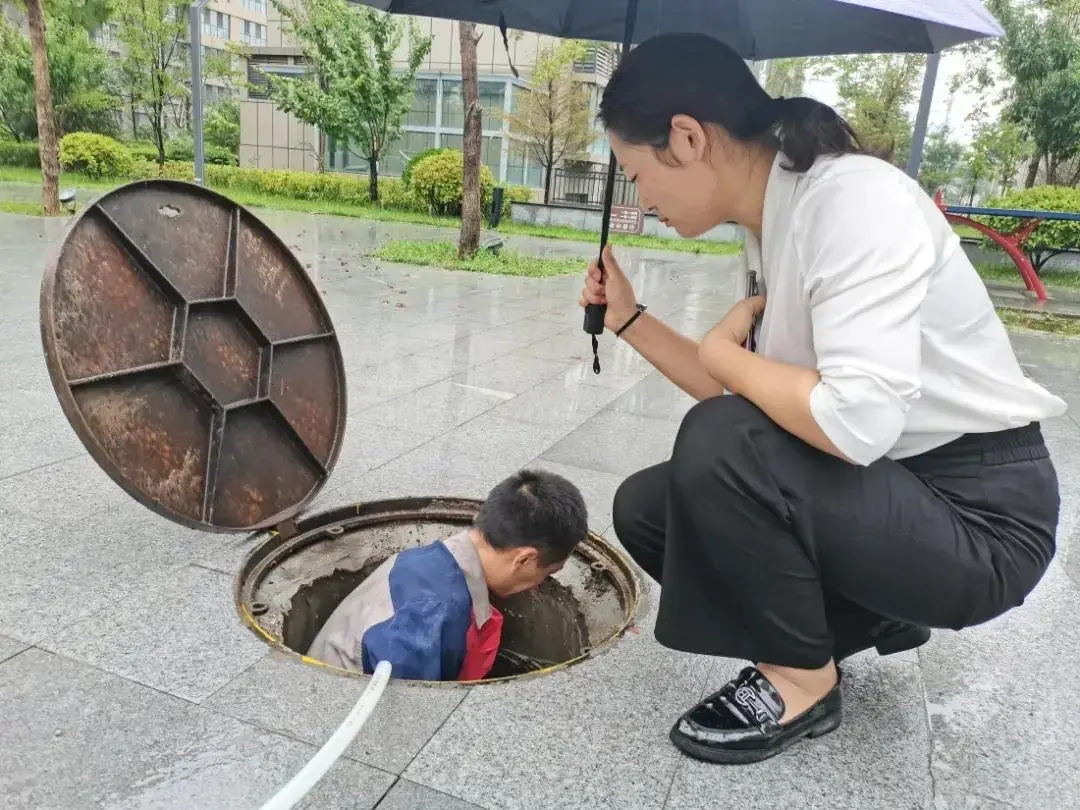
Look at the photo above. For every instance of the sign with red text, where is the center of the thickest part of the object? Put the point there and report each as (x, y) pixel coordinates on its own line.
(627, 219)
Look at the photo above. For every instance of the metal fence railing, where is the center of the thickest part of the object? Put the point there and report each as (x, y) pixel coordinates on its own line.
(585, 188)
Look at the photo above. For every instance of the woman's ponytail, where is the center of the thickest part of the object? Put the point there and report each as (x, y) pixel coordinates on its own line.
(808, 129)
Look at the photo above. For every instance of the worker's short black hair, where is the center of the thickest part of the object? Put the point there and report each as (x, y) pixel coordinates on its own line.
(534, 508)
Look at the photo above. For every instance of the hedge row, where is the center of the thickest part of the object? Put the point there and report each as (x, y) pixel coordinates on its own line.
(22, 155)
(103, 157)
(1052, 236)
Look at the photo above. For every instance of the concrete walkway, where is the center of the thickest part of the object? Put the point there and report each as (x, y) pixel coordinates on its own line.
(127, 681)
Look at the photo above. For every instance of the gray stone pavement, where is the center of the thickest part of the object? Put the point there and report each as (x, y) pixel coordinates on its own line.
(127, 681)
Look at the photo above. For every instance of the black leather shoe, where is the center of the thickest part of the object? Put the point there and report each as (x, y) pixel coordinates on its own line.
(740, 724)
(888, 638)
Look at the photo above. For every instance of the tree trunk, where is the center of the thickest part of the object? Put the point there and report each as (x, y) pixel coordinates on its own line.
(50, 160)
(1033, 171)
(134, 120)
(1075, 175)
(320, 159)
(469, 240)
(157, 127)
(549, 168)
(373, 178)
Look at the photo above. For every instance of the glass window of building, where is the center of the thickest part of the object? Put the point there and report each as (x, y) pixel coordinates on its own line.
(492, 96)
(393, 160)
(518, 97)
(423, 111)
(453, 113)
(515, 164)
(215, 24)
(491, 154)
(253, 34)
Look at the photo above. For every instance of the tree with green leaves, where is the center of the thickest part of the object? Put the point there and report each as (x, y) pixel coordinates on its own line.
(876, 92)
(554, 121)
(84, 93)
(943, 160)
(222, 125)
(1003, 148)
(787, 77)
(154, 61)
(85, 14)
(1040, 58)
(353, 91)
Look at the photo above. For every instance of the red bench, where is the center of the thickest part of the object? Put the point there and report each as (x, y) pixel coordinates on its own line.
(1011, 243)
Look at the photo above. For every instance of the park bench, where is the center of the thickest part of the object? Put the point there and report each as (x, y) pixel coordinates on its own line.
(1013, 242)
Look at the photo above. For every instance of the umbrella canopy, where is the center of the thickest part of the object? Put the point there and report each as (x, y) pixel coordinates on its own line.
(757, 29)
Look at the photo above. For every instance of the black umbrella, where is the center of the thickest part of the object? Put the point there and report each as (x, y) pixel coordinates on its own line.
(756, 29)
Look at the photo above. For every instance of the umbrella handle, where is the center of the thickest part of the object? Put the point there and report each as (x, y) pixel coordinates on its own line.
(594, 318)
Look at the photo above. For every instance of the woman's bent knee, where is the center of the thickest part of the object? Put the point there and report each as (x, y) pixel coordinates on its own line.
(634, 499)
(716, 431)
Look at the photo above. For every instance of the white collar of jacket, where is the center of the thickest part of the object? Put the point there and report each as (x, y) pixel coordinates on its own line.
(464, 553)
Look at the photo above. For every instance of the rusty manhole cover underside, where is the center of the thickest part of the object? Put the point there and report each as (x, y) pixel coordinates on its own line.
(287, 588)
(194, 357)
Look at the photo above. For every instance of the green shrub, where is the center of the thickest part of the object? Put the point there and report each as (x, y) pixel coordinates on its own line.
(143, 149)
(222, 126)
(406, 175)
(1052, 236)
(22, 154)
(96, 155)
(183, 148)
(437, 182)
(394, 193)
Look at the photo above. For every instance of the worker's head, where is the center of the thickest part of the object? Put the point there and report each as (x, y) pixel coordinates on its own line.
(529, 525)
(697, 134)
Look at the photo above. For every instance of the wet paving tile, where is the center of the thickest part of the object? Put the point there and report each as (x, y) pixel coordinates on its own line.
(75, 736)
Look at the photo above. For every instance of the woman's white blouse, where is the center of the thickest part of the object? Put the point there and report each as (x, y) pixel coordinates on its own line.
(868, 283)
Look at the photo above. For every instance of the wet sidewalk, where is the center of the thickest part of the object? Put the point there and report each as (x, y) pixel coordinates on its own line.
(128, 681)
(1063, 301)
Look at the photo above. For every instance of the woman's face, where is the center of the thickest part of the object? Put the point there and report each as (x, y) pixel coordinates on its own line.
(684, 184)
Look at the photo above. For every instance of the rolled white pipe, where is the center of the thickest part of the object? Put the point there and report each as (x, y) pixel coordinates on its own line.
(298, 787)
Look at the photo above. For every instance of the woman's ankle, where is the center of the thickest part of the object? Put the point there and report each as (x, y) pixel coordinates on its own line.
(800, 688)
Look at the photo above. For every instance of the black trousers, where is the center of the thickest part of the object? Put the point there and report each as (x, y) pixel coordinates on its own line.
(770, 550)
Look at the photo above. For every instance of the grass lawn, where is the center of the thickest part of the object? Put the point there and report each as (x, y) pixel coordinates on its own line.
(1039, 322)
(506, 263)
(25, 208)
(966, 232)
(1007, 273)
(281, 203)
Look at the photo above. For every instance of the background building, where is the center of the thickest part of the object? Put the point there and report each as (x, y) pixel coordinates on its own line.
(241, 22)
(270, 138)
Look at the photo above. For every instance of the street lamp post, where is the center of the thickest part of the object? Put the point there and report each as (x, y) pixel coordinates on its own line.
(195, 36)
(922, 118)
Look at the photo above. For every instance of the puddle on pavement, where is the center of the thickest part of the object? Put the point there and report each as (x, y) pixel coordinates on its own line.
(289, 587)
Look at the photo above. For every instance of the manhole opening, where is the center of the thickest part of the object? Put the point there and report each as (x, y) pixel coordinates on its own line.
(288, 589)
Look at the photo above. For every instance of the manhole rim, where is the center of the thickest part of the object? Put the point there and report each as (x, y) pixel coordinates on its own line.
(260, 560)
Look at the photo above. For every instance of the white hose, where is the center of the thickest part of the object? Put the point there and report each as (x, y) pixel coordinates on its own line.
(299, 785)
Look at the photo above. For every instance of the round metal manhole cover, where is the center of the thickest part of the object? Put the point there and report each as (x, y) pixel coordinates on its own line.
(194, 357)
(289, 586)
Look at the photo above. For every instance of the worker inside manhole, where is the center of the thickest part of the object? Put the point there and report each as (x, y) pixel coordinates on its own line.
(479, 604)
